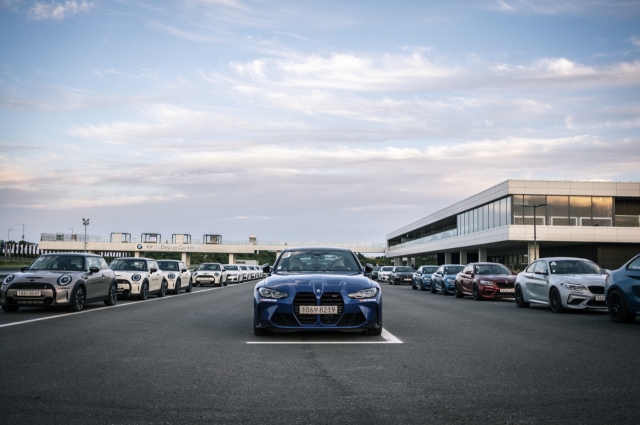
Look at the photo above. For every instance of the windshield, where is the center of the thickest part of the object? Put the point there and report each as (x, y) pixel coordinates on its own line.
(404, 270)
(574, 267)
(231, 268)
(58, 262)
(317, 261)
(168, 265)
(386, 269)
(492, 269)
(375, 269)
(453, 269)
(212, 267)
(429, 270)
(129, 264)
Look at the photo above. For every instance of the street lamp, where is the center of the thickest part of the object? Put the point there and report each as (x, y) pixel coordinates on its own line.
(8, 233)
(22, 230)
(535, 242)
(85, 223)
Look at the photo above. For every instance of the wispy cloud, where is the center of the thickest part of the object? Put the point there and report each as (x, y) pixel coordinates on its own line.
(554, 7)
(635, 41)
(58, 11)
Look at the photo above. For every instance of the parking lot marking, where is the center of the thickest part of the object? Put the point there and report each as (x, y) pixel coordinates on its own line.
(115, 306)
(388, 337)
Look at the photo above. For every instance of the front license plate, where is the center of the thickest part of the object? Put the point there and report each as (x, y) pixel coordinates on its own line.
(407, 278)
(599, 297)
(29, 293)
(508, 290)
(318, 309)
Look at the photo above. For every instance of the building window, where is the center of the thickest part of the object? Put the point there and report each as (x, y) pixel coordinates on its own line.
(602, 211)
(579, 211)
(558, 210)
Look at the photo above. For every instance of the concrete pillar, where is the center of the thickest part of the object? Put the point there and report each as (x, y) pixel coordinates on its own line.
(447, 257)
(232, 258)
(397, 261)
(137, 254)
(463, 257)
(186, 258)
(411, 262)
(533, 254)
(482, 254)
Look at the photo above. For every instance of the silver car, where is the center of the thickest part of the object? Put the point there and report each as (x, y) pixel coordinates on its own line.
(384, 273)
(562, 283)
(53, 280)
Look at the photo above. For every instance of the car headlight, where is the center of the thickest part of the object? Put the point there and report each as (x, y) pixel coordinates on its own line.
(450, 281)
(426, 279)
(364, 293)
(8, 280)
(64, 280)
(217, 273)
(573, 286)
(171, 276)
(136, 277)
(195, 273)
(486, 282)
(272, 293)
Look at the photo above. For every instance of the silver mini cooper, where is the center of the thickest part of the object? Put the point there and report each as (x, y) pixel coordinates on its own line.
(61, 279)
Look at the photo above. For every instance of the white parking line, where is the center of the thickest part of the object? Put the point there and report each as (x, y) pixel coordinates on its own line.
(114, 306)
(386, 335)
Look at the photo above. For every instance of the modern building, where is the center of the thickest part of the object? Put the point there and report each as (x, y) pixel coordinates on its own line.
(595, 220)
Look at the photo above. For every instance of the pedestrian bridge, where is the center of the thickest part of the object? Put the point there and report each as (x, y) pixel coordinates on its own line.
(182, 243)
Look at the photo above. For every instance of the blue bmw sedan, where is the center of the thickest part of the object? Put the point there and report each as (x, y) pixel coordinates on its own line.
(317, 289)
(622, 292)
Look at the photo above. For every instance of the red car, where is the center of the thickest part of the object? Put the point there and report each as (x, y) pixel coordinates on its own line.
(485, 280)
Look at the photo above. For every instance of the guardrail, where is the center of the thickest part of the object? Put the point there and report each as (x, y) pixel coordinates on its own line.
(426, 239)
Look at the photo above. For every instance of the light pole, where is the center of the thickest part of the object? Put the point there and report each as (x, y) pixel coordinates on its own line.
(535, 241)
(9, 233)
(85, 223)
(22, 230)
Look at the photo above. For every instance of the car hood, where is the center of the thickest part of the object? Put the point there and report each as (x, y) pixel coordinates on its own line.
(582, 279)
(43, 275)
(498, 278)
(313, 283)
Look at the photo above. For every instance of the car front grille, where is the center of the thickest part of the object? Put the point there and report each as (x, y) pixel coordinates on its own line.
(284, 319)
(331, 298)
(304, 298)
(504, 285)
(352, 319)
(594, 303)
(596, 289)
(29, 285)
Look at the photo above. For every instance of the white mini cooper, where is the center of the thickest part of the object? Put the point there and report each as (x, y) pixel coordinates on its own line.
(210, 274)
(139, 277)
(177, 275)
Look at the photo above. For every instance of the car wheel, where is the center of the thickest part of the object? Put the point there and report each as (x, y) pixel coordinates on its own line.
(422, 288)
(163, 289)
(433, 288)
(413, 285)
(476, 293)
(195, 284)
(444, 289)
(618, 308)
(190, 287)
(176, 291)
(144, 291)
(555, 302)
(10, 308)
(520, 302)
(225, 283)
(260, 332)
(77, 299)
(456, 291)
(113, 295)
(373, 332)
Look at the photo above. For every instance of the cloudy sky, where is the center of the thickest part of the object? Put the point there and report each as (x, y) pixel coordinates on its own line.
(303, 120)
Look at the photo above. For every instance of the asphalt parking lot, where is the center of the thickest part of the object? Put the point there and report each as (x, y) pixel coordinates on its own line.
(193, 358)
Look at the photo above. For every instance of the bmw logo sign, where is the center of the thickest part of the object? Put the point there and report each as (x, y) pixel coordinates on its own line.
(318, 291)
(139, 246)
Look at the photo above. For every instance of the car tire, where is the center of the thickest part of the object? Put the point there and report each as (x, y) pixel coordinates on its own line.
(78, 299)
(433, 288)
(413, 285)
(373, 332)
(555, 302)
(190, 287)
(456, 291)
(260, 332)
(422, 288)
(112, 296)
(10, 308)
(476, 293)
(618, 308)
(176, 290)
(144, 291)
(520, 302)
(444, 289)
(163, 289)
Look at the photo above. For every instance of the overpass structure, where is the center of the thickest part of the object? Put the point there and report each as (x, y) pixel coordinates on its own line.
(123, 243)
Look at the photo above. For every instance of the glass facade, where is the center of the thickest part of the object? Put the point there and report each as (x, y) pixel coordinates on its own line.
(564, 210)
(485, 217)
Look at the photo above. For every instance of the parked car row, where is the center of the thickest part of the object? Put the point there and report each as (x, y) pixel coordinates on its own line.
(561, 283)
(72, 280)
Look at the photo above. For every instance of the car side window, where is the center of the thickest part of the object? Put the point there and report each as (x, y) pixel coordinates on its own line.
(153, 265)
(103, 264)
(531, 267)
(93, 262)
(440, 270)
(634, 265)
(541, 267)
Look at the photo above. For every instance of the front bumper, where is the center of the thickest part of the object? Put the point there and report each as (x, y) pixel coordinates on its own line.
(495, 292)
(281, 315)
(583, 300)
(208, 280)
(50, 295)
(126, 288)
(233, 278)
(426, 283)
(403, 279)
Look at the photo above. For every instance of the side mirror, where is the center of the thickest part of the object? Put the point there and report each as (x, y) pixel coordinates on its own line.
(183, 270)
(94, 269)
(153, 270)
(24, 269)
(513, 272)
(266, 268)
(368, 268)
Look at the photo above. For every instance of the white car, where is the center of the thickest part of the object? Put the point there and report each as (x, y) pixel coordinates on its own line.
(234, 274)
(562, 283)
(177, 275)
(384, 273)
(258, 272)
(210, 274)
(246, 274)
(139, 277)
